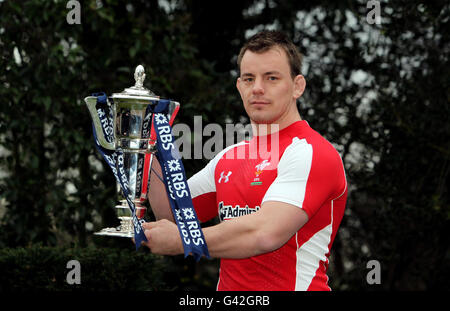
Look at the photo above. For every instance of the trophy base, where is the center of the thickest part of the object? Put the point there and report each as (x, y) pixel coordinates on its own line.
(126, 227)
(124, 230)
(113, 232)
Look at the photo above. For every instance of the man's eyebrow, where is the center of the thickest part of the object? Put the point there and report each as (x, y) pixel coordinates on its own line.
(268, 73)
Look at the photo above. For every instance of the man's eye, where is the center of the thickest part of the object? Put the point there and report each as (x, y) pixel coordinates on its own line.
(248, 79)
(273, 78)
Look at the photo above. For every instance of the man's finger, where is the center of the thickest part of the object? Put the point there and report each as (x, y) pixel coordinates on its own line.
(148, 225)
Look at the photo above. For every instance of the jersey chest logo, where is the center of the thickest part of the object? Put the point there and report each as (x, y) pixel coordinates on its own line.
(227, 212)
(259, 169)
(223, 177)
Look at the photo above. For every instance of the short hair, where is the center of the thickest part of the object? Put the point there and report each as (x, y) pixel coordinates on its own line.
(267, 39)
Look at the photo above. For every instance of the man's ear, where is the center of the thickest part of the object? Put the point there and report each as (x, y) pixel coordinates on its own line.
(238, 86)
(299, 86)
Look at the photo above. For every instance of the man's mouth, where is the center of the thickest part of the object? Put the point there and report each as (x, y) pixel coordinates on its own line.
(259, 102)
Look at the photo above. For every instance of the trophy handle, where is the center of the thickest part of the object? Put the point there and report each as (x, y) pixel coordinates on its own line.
(173, 110)
(91, 102)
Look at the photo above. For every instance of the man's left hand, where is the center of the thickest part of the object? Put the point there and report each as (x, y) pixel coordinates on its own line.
(163, 237)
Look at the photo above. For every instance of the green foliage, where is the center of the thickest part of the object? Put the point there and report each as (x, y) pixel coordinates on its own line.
(106, 269)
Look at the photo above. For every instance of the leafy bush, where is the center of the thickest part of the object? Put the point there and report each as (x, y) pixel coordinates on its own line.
(106, 269)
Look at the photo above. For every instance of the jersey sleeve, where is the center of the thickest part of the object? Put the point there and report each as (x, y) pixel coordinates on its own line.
(203, 192)
(308, 175)
(292, 175)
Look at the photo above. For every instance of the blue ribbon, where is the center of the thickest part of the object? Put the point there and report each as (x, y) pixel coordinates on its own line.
(176, 185)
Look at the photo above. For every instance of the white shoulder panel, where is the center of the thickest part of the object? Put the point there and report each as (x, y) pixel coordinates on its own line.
(292, 174)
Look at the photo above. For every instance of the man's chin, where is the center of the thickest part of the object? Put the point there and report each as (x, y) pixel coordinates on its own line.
(261, 119)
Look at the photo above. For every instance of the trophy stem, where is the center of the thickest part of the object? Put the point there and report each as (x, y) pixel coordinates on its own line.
(126, 227)
(126, 224)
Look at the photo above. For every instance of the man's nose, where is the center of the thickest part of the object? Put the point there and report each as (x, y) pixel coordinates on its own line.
(258, 87)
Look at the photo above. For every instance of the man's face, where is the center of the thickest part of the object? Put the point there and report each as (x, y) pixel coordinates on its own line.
(267, 89)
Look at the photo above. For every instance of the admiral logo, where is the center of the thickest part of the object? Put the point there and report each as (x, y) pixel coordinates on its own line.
(228, 211)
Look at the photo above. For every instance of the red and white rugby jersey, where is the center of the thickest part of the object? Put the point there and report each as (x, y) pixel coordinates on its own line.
(296, 166)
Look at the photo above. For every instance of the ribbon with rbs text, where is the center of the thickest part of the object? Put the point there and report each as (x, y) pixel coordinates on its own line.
(173, 173)
(177, 186)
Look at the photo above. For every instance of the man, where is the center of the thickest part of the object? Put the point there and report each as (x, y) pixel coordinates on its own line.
(279, 214)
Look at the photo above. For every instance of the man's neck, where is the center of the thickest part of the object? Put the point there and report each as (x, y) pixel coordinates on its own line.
(261, 129)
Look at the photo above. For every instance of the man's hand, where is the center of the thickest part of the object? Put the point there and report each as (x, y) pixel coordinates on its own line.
(163, 237)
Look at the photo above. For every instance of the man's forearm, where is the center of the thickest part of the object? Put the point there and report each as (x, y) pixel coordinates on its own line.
(157, 194)
(257, 233)
(235, 238)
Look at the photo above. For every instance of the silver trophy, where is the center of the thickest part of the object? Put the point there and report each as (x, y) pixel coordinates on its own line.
(131, 134)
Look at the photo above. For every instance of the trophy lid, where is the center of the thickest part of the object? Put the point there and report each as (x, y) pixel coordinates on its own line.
(138, 91)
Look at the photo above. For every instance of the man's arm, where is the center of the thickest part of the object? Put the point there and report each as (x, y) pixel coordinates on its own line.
(157, 194)
(250, 235)
(257, 233)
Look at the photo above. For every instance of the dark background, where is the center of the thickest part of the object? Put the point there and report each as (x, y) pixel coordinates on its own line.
(379, 92)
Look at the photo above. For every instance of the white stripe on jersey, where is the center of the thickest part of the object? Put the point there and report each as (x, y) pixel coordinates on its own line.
(310, 254)
(293, 172)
